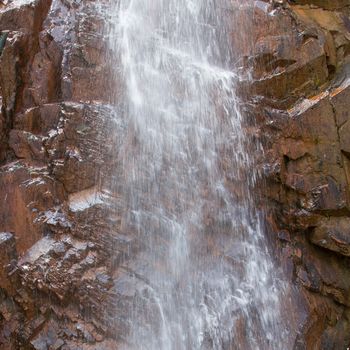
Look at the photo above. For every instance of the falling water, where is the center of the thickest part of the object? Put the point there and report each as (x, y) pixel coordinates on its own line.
(203, 277)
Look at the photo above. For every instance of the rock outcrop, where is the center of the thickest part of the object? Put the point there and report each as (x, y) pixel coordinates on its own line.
(57, 255)
(298, 94)
(55, 271)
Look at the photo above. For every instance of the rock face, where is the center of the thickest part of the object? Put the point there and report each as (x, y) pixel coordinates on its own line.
(58, 257)
(55, 113)
(298, 93)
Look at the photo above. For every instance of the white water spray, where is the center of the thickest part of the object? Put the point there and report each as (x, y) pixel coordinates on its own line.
(203, 275)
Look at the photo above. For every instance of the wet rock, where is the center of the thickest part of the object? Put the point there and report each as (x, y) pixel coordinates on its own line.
(284, 236)
(312, 160)
(26, 16)
(44, 84)
(339, 99)
(30, 190)
(74, 147)
(86, 199)
(83, 331)
(8, 258)
(39, 120)
(309, 279)
(26, 145)
(9, 74)
(58, 249)
(58, 344)
(304, 128)
(46, 338)
(333, 234)
(326, 4)
(286, 62)
(56, 117)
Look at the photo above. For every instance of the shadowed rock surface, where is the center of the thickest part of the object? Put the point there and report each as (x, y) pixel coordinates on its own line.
(59, 260)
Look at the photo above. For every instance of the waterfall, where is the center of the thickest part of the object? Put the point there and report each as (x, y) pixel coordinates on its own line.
(201, 275)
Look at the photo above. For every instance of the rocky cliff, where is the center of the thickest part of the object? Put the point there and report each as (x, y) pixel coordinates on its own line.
(55, 271)
(298, 94)
(58, 256)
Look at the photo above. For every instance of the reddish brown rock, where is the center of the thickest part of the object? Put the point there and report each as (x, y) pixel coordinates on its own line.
(327, 4)
(26, 145)
(60, 285)
(44, 84)
(7, 261)
(53, 294)
(39, 120)
(31, 191)
(340, 97)
(24, 16)
(303, 120)
(9, 69)
(333, 234)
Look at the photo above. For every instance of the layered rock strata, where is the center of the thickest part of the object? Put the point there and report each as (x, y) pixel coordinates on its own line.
(298, 93)
(54, 150)
(58, 257)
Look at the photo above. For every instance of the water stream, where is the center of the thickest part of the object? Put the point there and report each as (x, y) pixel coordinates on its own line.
(204, 278)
